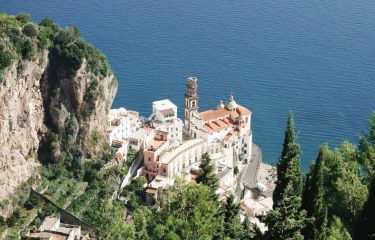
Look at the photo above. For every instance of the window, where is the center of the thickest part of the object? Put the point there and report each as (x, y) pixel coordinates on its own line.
(149, 159)
(193, 103)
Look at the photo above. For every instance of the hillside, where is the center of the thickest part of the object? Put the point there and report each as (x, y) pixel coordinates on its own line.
(55, 92)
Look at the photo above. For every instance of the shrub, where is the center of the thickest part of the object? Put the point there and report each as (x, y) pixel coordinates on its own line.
(235, 170)
(31, 203)
(47, 22)
(45, 35)
(29, 30)
(5, 58)
(7, 22)
(2, 221)
(23, 18)
(28, 50)
(14, 218)
(90, 175)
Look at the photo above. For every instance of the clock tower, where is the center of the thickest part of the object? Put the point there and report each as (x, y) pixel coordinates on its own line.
(191, 101)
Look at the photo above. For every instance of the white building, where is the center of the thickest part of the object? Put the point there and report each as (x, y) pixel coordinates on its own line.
(164, 118)
(121, 125)
(141, 138)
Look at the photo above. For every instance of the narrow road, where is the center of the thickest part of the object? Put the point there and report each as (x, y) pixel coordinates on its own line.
(251, 171)
(248, 176)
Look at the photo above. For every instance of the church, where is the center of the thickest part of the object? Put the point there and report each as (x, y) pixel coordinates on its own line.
(225, 133)
(227, 126)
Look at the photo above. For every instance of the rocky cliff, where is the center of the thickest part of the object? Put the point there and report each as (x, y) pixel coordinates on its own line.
(55, 93)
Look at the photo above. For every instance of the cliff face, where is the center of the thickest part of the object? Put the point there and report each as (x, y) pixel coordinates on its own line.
(22, 123)
(49, 107)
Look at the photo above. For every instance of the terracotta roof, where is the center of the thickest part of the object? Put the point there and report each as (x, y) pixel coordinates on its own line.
(243, 110)
(119, 155)
(155, 144)
(224, 112)
(218, 125)
(151, 190)
(214, 114)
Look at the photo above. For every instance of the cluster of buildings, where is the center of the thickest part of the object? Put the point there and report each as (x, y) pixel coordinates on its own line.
(172, 147)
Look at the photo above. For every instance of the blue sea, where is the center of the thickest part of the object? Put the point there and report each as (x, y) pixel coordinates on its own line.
(315, 58)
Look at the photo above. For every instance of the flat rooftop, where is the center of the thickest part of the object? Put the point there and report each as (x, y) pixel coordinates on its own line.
(163, 104)
(155, 145)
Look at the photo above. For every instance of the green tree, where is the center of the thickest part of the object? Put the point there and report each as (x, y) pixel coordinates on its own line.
(286, 220)
(367, 148)
(248, 230)
(365, 226)
(188, 211)
(232, 222)
(206, 173)
(337, 230)
(349, 188)
(142, 218)
(109, 223)
(313, 200)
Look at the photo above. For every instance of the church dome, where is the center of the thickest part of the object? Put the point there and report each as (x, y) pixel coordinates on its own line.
(231, 104)
(220, 105)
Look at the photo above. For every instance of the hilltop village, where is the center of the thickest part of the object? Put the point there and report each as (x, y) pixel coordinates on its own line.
(169, 147)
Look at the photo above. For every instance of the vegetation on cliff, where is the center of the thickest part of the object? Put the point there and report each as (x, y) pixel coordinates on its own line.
(334, 201)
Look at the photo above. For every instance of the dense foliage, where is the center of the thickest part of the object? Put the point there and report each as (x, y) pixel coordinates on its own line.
(336, 194)
(286, 220)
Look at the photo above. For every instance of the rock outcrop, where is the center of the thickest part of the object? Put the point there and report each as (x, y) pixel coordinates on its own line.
(48, 106)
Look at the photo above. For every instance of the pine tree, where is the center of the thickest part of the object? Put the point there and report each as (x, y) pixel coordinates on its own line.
(313, 200)
(365, 228)
(337, 230)
(232, 222)
(288, 169)
(367, 148)
(206, 173)
(248, 230)
(286, 220)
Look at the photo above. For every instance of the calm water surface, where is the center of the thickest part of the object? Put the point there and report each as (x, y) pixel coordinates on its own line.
(315, 58)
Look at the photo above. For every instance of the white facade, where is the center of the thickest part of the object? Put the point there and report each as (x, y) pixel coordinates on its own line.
(141, 138)
(122, 124)
(164, 118)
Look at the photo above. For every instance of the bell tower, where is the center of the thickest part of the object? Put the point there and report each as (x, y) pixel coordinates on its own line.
(191, 101)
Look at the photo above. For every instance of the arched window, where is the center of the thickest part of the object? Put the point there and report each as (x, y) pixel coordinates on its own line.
(193, 103)
(187, 103)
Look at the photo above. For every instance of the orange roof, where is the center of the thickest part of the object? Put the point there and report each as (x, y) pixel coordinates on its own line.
(224, 112)
(218, 125)
(243, 110)
(214, 114)
(118, 155)
(151, 190)
(155, 144)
